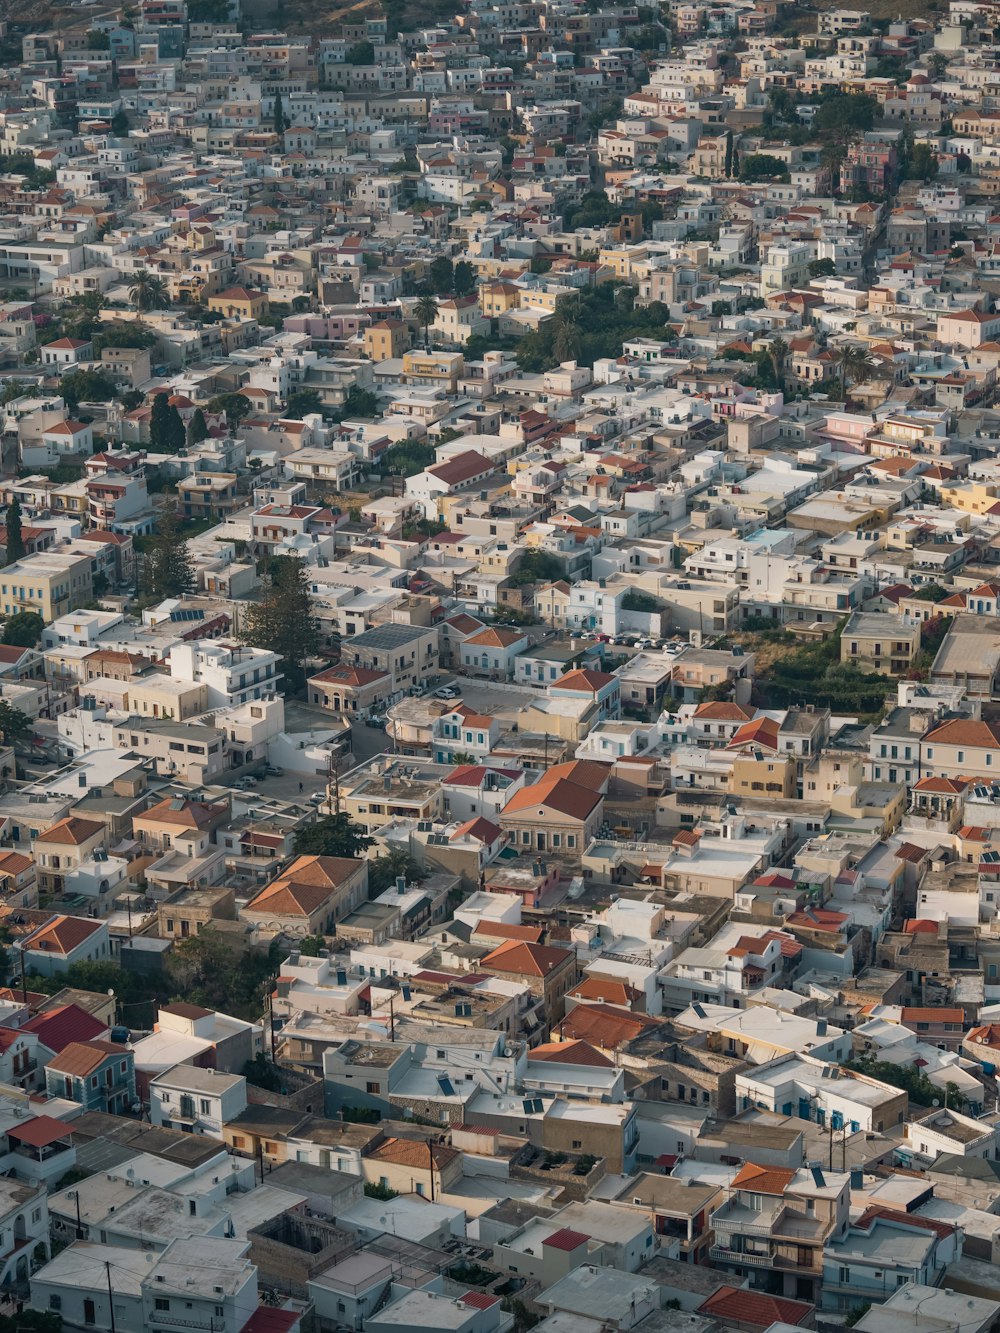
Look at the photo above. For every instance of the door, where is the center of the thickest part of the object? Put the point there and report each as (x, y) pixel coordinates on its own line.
(540, 839)
(88, 1311)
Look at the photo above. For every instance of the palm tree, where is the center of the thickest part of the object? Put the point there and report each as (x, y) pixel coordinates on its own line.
(852, 363)
(148, 291)
(426, 312)
(567, 340)
(777, 350)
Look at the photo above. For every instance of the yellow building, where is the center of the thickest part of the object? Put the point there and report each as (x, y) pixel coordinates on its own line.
(437, 370)
(49, 583)
(239, 303)
(496, 298)
(772, 777)
(386, 339)
(621, 258)
(974, 497)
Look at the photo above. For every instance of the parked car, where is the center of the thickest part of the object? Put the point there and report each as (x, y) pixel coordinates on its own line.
(417, 690)
(446, 692)
(318, 798)
(246, 784)
(272, 771)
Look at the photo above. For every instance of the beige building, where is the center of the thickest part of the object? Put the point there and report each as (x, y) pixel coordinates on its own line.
(413, 1166)
(49, 583)
(63, 848)
(310, 897)
(880, 643)
(193, 909)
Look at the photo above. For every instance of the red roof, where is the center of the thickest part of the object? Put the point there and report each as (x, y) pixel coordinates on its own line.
(58, 1028)
(266, 1319)
(566, 1239)
(741, 1306)
(479, 1300)
(40, 1132)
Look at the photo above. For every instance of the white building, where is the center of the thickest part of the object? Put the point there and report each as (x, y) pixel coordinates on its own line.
(232, 673)
(198, 1101)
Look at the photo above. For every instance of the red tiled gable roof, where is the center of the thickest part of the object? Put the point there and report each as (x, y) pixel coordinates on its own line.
(530, 960)
(763, 1179)
(61, 935)
(609, 989)
(463, 467)
(81, 1058)
(477, 1300)
(920, 928)
(762, 731)
(479, 828)
(719, 711)
(57, 1028)
(565, 797)
(949, 786)
(741, 1306)
(585, 680)
(966, 731)
(604, 1025)
(571, 1053)
(72, 831)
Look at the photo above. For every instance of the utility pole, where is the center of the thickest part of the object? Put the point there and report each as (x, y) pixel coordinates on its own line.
(79, 1222)
(111, 1294)
(24, 979)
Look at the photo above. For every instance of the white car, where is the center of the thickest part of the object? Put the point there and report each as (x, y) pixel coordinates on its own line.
(318, 798)
(446, 692)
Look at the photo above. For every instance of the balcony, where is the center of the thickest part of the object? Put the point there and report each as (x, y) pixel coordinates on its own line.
(721, 1254)
(165, 1319)
(736, 1217)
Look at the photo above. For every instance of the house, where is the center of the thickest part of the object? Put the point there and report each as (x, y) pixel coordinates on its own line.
(309, 897)
(554, 814)
(492, 652)
(349, 689)
(61, 941)
(547, 971)
(879, 643)
(100, 1075)
(198, 1101)
(243, 303)
(64, 847)
(405, 655)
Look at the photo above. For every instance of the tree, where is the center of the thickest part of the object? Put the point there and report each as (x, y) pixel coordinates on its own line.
(206, 969)
(762, 166)
(357, 403)
(15, 541)
(86, 386)
(852, 364)
(441, 276)
(14, 725)
(23, 629)
(98, 41)
(361, 53)
(197, 427)
(567, 340)
(847, 113)
(464, 279)
(777, 350)
(383, 871)
(166, 429)
(261, 1073)
(167, 568)
(148, 291)
(334, 835)
(234, 405)
(407, 458)
(426, 311)
(120, 124)
(537, 567)
(279, 115)
(822, 268)
(282, 621)
(301, 402)
(922, 164)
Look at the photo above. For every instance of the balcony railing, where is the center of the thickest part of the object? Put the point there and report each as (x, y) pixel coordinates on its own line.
(721, 1254)
(166, 1319)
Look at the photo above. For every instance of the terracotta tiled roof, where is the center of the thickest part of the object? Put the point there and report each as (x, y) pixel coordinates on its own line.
(571, 1053)
(81, 1058)
(72, 831)
(966, 731)
(763, 1179)
(741, 1307)
(520, 959)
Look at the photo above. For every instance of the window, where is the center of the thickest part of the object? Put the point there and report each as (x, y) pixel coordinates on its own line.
(372, 1088)
(204, 1106)
(577, 1143)
(162, 1303)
